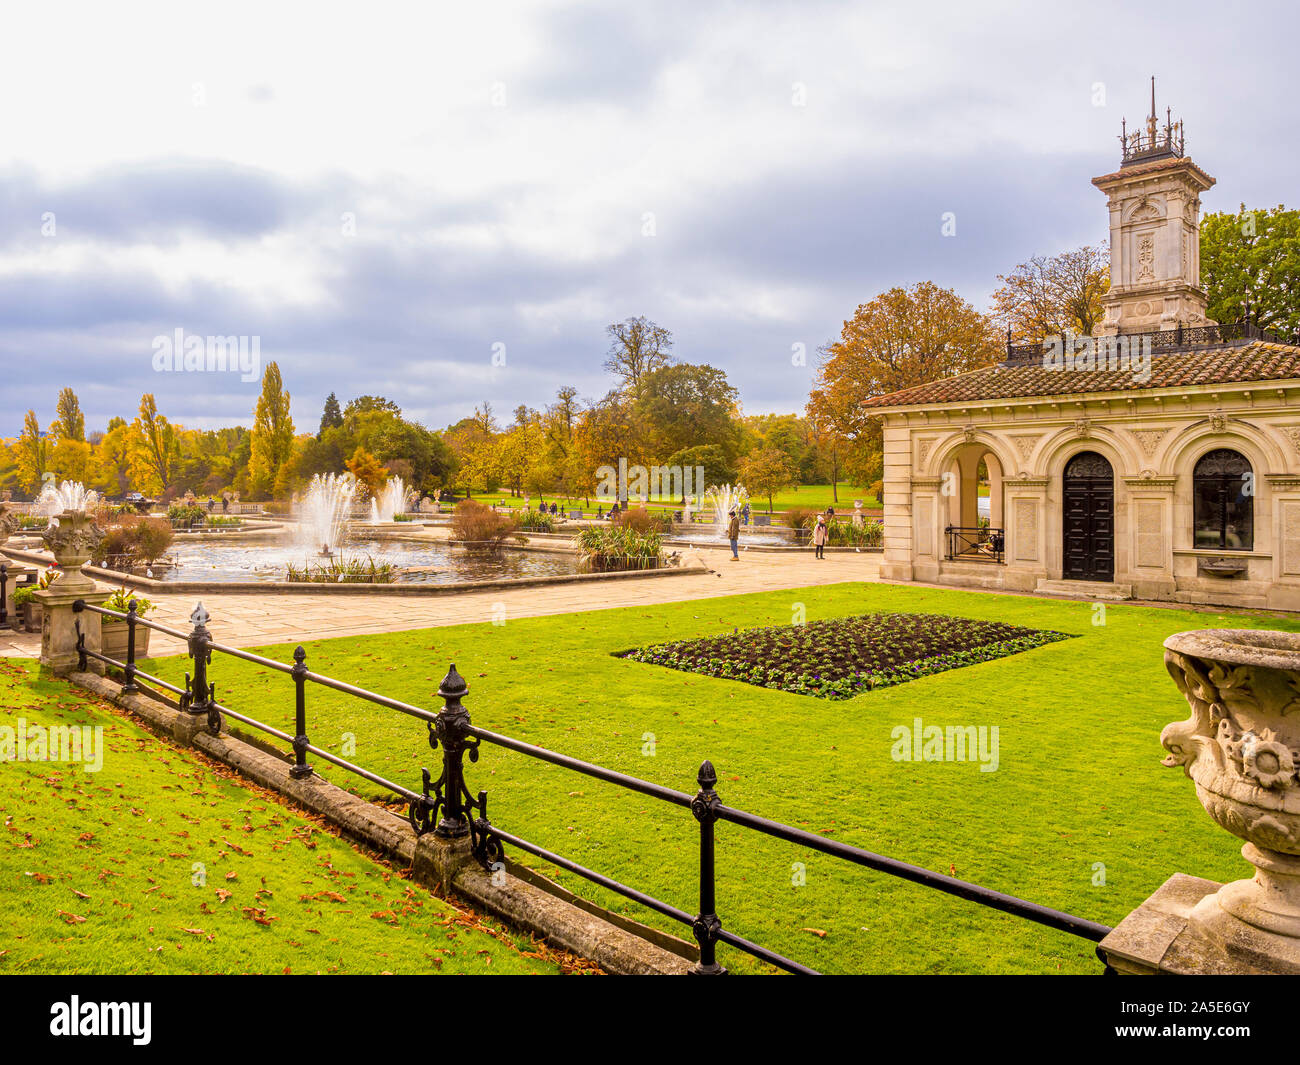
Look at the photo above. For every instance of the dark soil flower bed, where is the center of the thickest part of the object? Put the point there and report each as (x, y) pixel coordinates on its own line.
(842, 657)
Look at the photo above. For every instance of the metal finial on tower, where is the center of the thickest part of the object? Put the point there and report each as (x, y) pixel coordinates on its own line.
(1152, 143)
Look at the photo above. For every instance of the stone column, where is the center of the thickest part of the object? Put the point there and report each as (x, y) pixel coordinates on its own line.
(72, 541)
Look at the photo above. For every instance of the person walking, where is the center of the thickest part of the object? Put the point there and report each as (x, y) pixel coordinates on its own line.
(733, 534)
(820, 535)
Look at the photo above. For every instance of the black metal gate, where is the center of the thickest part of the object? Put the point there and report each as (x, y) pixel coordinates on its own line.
(1089, 526)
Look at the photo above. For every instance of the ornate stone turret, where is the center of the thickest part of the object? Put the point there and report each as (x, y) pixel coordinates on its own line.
(1155, 248)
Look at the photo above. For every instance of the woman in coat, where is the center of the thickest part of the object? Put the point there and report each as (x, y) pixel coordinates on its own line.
(820, 535)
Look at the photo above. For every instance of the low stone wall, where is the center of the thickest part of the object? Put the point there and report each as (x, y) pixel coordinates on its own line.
(443, 865)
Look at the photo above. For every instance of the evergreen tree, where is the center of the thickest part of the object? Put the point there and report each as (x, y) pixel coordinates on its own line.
(332, 418)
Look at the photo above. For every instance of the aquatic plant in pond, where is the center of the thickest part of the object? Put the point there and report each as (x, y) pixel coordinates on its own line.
(610, 548)
(842, 657)
(343, 571)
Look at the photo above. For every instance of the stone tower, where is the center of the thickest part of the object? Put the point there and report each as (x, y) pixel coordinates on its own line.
(1155, 216)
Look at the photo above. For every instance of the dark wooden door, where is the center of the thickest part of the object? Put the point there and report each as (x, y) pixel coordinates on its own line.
(1089, 519)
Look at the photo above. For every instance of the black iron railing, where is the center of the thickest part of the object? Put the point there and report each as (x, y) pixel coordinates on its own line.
(447, 808)
(1162, 341)
(980, 543)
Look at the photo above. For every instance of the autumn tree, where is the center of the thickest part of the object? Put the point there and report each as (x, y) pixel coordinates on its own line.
(368, 470)
(1250, 266)
(30, 454)
(765, 471)
(1053, 295)
(154, 448)
(69, 423)
(903, 337)
(272, 442)
(637, 347)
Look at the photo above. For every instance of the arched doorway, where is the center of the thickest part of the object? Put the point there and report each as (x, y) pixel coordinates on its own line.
(1089, 526)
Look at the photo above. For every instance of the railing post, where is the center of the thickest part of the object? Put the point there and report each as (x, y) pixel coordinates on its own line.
(300, 767)
(79, 607)
(200, 694)
(129, 672)
(451, 730)
(707, 926)
(4, 592)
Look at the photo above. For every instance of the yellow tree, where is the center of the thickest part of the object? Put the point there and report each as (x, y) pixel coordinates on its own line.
(69, 459)
(272, 436)
(31, 454)
(69, 422)
(155, 450)
(109, 470)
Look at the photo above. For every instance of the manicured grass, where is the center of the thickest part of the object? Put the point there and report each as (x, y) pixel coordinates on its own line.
(162, 862)
(841, 657)
(818, 496)
(1080, 814)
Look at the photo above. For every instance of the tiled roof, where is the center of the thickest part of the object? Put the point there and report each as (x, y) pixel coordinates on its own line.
(1257, 361)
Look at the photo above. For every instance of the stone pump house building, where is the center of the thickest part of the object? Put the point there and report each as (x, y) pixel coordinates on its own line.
(1159, 460)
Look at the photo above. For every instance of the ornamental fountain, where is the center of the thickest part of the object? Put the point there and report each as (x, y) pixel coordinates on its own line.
(324, 512)
(724, 499)
(389, 502)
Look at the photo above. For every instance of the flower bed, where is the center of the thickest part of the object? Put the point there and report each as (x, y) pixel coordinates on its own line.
(843, 657)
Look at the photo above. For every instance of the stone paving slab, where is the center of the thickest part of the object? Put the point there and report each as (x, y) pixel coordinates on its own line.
(244, 620)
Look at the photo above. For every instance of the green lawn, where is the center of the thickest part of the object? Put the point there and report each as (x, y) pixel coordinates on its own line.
(161, 862)
(1079, 785)
(817, 496)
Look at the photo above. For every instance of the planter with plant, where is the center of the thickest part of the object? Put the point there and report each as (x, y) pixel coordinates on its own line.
(114, 632)
(27, 607)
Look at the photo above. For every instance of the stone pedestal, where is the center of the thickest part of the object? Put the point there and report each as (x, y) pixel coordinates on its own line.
(59, 626)
(1182, 930)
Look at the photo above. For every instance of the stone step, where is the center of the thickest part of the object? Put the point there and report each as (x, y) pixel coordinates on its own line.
(1085, 589)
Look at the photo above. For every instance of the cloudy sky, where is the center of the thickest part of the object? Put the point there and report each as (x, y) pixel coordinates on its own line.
(386, 193)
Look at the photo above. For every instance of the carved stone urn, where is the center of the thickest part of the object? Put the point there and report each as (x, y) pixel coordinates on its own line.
(1241, 748)
(72, 541)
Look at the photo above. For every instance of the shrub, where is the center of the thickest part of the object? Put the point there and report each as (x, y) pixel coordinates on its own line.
(640, 520)
(134, 540)
(846, 534)
(475, 525)
(186, 514)
(613, 547)
(801, 520)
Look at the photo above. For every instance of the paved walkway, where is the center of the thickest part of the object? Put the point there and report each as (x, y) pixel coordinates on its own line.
(247, 620)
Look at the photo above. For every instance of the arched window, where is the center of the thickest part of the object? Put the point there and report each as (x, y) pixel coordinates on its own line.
(1223, 496)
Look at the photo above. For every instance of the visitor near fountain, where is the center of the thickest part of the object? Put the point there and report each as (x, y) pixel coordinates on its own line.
(820, 533)
(733, 534)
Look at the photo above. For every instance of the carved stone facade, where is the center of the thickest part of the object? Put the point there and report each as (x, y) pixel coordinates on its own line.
(1155, 256)
(1151, 439)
